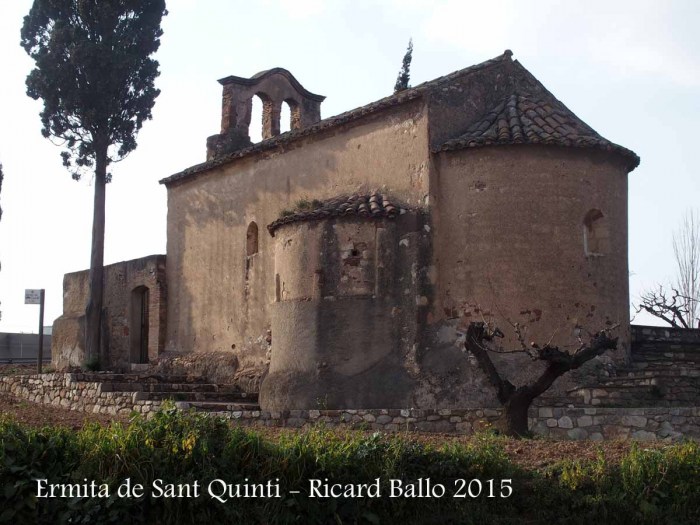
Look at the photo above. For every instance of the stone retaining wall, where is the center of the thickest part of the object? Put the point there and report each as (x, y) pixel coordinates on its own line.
(670, 424)
(452, 421)
(70, 391)
(648, 335)
(648, 424)
(653, 424)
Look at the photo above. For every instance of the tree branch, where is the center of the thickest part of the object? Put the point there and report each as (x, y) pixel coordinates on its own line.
(672, 310)
(476, 335)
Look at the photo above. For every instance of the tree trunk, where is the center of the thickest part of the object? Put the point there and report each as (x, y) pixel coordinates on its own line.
(516, 409)
(93, 311)
(516, 401)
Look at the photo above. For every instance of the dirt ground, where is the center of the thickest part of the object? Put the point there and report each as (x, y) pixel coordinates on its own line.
(37, 415)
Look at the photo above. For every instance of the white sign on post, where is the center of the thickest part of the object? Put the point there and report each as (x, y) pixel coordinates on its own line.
(32, 296)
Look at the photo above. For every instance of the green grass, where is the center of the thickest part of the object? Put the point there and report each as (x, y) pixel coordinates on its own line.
(647, 486)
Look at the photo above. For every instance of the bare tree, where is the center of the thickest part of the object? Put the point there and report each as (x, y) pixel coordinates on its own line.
(671, 308)
(681, 307)
(517, 400)
(686, 249)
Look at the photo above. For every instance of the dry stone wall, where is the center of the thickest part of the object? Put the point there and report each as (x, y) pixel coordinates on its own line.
(73, 391)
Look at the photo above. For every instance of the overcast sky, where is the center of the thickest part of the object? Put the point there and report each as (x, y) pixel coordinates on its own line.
(630, 69)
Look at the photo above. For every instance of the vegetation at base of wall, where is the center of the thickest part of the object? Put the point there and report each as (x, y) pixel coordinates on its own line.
(92, 364)
(302, 205)
(647, 486)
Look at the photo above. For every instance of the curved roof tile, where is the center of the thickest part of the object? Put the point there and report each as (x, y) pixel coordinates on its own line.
(372, 205)
(519, 119)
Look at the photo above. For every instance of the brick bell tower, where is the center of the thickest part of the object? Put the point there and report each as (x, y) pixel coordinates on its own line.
(274, 87)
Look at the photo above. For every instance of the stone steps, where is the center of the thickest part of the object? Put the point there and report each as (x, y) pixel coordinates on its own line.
(659, 375)
(168, 387)
(684, 355)
(114, 377)
(182, 390)
(651, 380)
(672, 371)
(225, 397)
(627, 395)
(218, 407)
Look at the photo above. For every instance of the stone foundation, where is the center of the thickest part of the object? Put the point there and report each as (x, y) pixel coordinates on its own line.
(73, 391)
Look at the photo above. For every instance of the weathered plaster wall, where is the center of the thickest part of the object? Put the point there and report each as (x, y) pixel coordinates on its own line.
(211, 303)
(345, 317)
(509, 244)
(120, 280)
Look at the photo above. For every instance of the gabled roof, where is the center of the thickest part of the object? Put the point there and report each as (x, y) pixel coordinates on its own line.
(372, 205)
(342, 118)
(522, 119)
(481, 133)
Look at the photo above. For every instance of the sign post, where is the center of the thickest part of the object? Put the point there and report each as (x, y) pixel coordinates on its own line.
(37, 297)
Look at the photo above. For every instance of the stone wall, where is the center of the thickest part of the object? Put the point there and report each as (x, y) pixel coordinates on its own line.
(653, 337)
(123, 282)
(508, 226)
(649, 424)
(72, 392)
(664, 371)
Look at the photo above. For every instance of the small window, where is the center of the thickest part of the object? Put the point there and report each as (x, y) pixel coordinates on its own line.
(596, 236)
(251, 240)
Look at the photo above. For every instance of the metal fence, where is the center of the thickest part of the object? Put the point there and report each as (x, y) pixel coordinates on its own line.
(22, 348)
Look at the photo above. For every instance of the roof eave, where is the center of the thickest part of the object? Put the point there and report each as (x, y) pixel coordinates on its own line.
(630, 156)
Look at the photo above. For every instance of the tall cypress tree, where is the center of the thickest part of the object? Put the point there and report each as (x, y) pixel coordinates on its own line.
(96, 79)
(405, 72)
(1, 177)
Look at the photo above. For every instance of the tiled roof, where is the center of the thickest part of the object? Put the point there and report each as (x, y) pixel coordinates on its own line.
(348, 116)
(520, 119)
(372, 205)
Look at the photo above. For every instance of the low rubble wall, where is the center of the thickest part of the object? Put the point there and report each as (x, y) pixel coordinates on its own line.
(669, 424)
(70, 391)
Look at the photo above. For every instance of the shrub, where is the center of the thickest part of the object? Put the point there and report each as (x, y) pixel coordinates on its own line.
(647, 486)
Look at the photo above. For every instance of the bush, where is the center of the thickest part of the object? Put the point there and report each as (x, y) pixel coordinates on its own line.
(660, 486)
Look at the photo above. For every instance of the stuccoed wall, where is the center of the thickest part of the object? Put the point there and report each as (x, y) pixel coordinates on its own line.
(344, 325)
(509, 242)
(214, 304)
